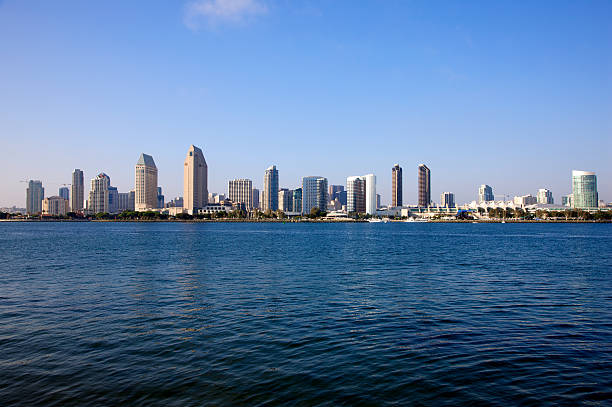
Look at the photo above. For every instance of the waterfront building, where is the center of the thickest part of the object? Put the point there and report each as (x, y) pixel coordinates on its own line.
(78, 191)
(175, 203)
(584, 189)
(342, 197)
(396, 186)
(99, 195)
(447, 200)
(240, 191)
(424, 175)
(378, 205)
(297, 200)
(146, 183)
(567, 200)
(127, 201)
(64, 192)
(525, 200)
(334, 191)
(314, 193)
(485, 194)
(195, 181)
(370, 193)
(545, 196)
(270, 189)
(160, 198)
(55, 206)
(285, 200)
(355, 194)
(113, 200)
(255, 195)
(35, 193)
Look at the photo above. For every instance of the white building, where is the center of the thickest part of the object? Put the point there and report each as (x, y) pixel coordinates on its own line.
(525, 200)
(241, 191)
(285, 200)
(447, 200)
(99, 194)
(145, 183)
(35, 193)
(355, 194)
(370, 193)
(55, 206)
(270, 189)
(195, 181)
(545, 196)
(314, 193)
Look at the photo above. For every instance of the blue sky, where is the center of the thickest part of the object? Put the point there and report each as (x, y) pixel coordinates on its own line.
(512, 94)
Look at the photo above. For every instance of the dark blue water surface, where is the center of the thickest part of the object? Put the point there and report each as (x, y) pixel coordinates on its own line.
(180, 314)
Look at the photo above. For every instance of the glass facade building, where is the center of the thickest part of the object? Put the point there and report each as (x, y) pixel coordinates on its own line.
(584, 189)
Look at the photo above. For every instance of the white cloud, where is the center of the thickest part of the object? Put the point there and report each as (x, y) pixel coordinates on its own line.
(215, 12)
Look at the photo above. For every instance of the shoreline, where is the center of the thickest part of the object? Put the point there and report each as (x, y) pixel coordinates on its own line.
(291, 221)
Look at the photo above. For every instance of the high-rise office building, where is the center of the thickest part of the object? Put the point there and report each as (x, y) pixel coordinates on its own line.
(314, 193)
(378, 201)
(146, 183)
(270, 189)
(447, 200)
(240, 191)
(297, 200)
(55, 206)
(584, 189)
(195, 180)
(355, 194)
(64, 192)
(35, 193)
(113, 200)
(396, 186)
(126, 201)
(285, 200)
(567, 200)
(485, 194)
(160, 198)
(99, 194)
(334, 191)
(342, 197)
(545, 196)
(255, 198)
(370, 193)
(424, 175)
(78, 191)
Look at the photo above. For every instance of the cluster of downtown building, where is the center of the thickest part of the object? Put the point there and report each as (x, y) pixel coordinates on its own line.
(358, 196)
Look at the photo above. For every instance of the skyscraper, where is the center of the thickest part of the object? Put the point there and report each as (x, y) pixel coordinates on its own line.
(545, 196)
(424, 185)
(355, 194)
(396, 186)
(334, 191)
(285, 200)
(447, 200)
(485, 194)
(584, 189)
(78, 191)
(64, 192)
(160, 198)
(99, 194)
(195, 181)
(255, 198)
(314, 193)
(146, 183)
(297, 200)
(270, 190)
(370, 193)
(35, 193)
(241, 191)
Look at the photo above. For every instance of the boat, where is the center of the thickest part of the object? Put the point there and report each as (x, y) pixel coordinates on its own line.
(375, 220)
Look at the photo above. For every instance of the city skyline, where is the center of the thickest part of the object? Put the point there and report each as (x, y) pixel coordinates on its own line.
(515, 98)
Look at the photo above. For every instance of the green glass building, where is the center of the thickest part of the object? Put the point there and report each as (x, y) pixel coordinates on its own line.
(584, 188)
